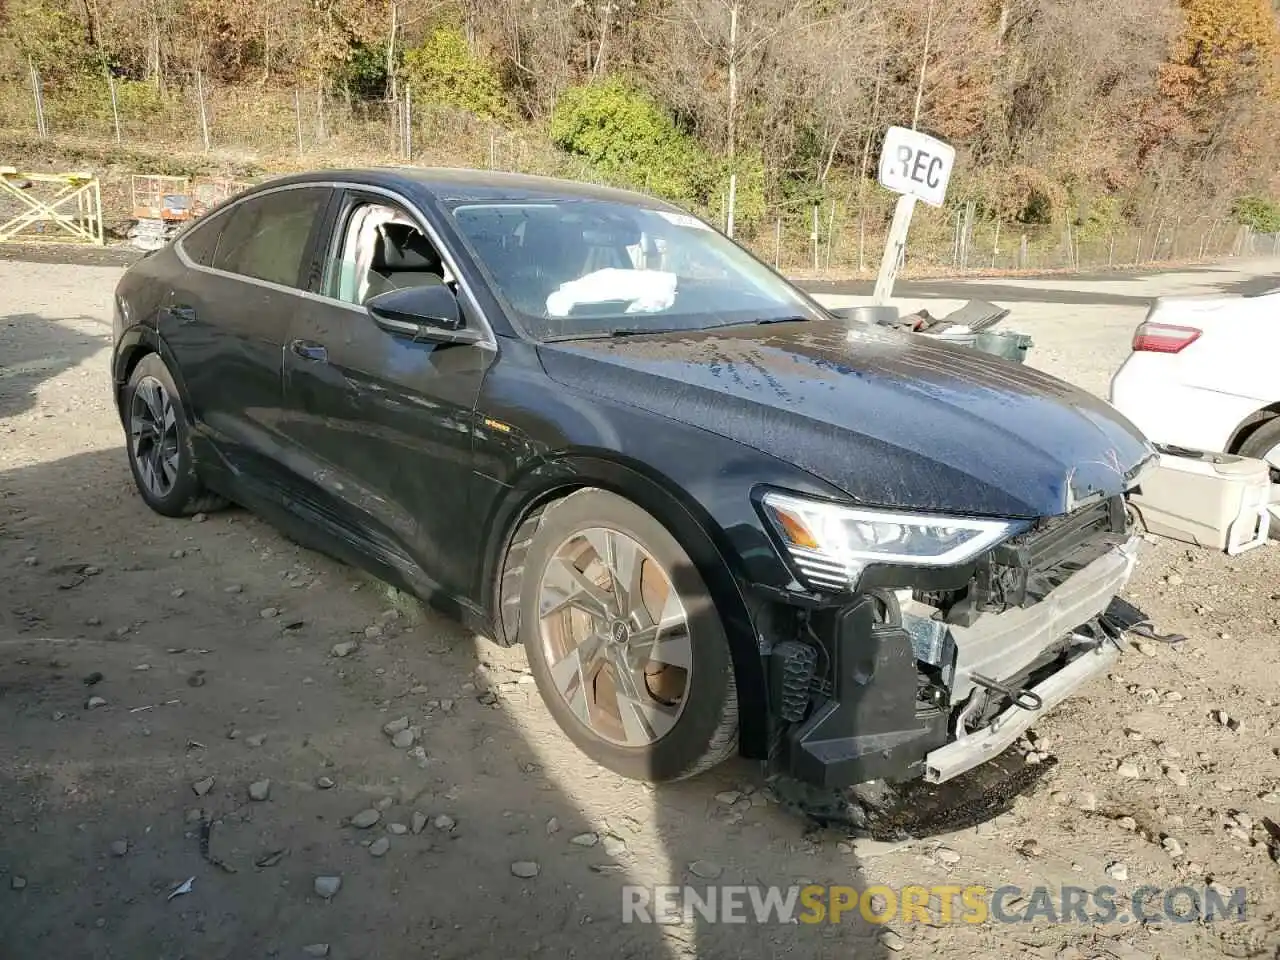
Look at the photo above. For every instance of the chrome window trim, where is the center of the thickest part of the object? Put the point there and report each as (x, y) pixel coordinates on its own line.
(489, 342)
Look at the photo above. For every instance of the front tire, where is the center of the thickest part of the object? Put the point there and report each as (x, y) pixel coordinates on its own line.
(158, 440)
(625, 642)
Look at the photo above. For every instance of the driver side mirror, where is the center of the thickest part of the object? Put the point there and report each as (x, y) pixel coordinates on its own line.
(427, 314)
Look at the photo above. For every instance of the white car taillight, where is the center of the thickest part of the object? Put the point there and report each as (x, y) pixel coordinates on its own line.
(1163, 338)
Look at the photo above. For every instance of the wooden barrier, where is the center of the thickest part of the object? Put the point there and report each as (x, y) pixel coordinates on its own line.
(70, 203)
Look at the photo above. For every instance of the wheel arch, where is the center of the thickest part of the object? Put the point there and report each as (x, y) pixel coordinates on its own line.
(1250, 425)
(135, 344)
(553, 479)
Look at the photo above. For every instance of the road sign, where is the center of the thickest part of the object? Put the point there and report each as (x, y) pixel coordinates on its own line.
(895, 246)
(916, 164)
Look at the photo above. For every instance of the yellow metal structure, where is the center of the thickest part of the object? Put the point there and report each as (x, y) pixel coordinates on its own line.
(69, 203)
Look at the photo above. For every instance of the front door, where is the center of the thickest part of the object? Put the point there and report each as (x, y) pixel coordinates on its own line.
(381, 426)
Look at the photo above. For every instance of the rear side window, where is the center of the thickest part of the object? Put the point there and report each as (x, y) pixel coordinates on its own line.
(201, 241)
(266, 237)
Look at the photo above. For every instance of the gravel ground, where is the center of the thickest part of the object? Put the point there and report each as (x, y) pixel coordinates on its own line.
(205, 700)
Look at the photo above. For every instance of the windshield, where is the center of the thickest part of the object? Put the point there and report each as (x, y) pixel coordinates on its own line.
(583, 268)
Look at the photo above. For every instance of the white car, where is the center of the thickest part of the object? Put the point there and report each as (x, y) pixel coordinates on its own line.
(1203, 374)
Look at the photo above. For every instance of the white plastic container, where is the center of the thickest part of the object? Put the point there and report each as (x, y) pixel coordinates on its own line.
(1209, 499)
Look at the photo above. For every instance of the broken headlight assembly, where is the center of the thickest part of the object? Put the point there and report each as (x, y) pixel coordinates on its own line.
(831, 544)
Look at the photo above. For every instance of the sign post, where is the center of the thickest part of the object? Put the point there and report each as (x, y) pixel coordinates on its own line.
(918, 167)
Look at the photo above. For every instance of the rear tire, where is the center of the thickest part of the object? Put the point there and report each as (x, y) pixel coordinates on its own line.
(607, 671)
(158, 441)
(1264, 444)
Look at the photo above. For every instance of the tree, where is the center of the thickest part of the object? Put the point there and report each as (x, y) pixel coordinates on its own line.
(1221, 79)
(442, 70)
(47, 36)
(1227, 49)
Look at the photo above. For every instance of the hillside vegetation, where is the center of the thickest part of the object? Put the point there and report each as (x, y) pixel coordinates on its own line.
(1080, 121)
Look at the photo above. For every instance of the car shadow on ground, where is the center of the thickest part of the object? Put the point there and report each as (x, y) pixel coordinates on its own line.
(167, 621)
(1250, 286)
(81, 255)
(36, 349)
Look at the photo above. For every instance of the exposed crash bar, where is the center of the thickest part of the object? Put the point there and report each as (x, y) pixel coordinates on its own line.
(968, 751)
(1000, 645)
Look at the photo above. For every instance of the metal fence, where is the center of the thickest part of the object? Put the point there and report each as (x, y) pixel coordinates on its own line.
(1260, 244)
(224, 129)
(946, 241)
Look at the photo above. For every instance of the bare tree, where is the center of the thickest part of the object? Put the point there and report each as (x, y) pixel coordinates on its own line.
(733, 39)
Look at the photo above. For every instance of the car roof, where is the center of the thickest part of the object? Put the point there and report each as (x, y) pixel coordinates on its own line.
(450, 185)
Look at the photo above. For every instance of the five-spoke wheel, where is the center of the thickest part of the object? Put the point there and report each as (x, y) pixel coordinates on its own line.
(153, 436)
(616, 637)
(159, 444)
(625, 641)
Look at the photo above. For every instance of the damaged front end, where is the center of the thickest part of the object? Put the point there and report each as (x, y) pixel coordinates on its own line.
(929, 667)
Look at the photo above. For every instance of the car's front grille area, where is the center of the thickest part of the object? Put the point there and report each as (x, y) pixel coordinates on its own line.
(1024, 570)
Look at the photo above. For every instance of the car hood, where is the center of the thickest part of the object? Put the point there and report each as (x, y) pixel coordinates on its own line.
(892, 419)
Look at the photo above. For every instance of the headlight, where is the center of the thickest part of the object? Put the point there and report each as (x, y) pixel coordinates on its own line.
(831, 544)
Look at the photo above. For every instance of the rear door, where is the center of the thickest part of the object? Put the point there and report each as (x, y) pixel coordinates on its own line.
(227, 321)
(380, 427)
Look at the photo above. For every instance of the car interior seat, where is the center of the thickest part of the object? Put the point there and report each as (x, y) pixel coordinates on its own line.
(402, 257)
(550, 255)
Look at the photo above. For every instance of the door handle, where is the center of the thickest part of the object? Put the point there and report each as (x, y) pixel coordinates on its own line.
(183, 314)
(308, 350)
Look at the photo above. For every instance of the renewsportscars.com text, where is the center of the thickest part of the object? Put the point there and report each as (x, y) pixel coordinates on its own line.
(938, 903)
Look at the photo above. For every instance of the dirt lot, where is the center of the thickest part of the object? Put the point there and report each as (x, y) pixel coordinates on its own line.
(209, 647)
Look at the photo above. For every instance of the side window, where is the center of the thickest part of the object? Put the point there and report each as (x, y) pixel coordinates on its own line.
(380, 248)
(201, 240)
(266, 237)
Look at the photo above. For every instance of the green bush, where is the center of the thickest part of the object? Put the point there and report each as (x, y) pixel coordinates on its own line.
(630, 140)
(47, 35)
(442, 70)
(363, 75)
(1259, 213)
(87, 96)
(1099, 218)
(749, 202)
(137, 99)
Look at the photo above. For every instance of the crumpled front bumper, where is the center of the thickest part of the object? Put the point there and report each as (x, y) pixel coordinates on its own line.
(871, 724)
(967, 751)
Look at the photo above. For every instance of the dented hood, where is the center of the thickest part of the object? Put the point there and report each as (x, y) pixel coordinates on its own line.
(894, 420)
